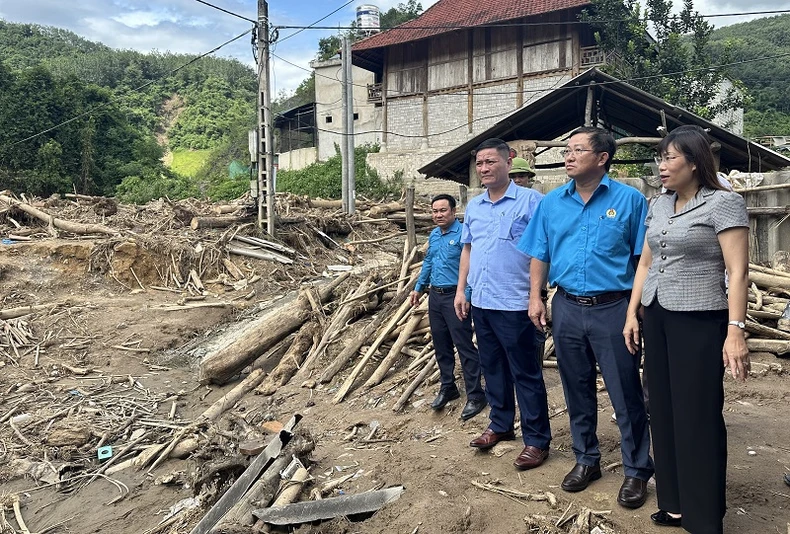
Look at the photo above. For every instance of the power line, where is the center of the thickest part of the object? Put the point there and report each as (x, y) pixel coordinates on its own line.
(638, 78)
(118, 98)
(226, 11)
(313, 25)
(525, 24)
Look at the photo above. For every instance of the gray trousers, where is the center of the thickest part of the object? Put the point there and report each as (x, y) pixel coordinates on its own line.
(448, 331)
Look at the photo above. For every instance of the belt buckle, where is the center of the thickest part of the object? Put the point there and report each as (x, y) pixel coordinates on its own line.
(585, 301)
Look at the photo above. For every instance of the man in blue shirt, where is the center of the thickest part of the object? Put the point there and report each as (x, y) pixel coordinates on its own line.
(440, 273)
(585, 238)
(499, 275)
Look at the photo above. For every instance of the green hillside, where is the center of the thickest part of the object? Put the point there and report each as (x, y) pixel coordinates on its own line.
(766, 80)
(128, 106)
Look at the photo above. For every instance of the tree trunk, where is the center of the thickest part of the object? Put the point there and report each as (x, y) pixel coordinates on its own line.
(223, 364)
(290, 361)
(74, 228)
(216, 222)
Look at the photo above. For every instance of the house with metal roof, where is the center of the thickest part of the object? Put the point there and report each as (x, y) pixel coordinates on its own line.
(462, 66)
(598, 99)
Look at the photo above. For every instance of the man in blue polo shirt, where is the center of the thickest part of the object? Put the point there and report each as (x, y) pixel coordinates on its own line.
(499, 275)
(440, 273)
(585, 238)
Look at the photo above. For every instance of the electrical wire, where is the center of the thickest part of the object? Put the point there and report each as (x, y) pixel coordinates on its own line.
(226, 11)
(131, 91)
(719, 66)
(313, 25)
(526, 24)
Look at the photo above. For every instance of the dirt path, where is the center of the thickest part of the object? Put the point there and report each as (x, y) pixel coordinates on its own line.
(427, 452)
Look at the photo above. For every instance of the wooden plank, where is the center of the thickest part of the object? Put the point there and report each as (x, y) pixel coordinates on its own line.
(307, 511)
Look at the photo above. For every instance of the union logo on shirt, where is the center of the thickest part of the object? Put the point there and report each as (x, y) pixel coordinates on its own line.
(611, 213)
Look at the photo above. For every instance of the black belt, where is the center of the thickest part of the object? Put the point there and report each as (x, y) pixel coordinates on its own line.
(603, 298)
(444, 290)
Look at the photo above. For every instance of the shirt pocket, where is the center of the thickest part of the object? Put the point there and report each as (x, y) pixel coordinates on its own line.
(611, 236)
(511, 229)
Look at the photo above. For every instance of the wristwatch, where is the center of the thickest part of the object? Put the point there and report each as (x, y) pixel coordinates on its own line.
(739, 324)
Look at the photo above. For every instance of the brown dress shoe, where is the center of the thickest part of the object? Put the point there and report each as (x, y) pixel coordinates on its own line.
(489, 438)
(531, 457)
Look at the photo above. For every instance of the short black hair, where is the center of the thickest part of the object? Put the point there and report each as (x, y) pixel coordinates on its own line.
(498, 144)
(600, 141)
(449, 198)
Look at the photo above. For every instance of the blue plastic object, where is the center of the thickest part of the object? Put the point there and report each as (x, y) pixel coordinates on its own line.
(104, 452)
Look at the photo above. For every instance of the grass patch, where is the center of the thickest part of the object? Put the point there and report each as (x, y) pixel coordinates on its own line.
(189, 162)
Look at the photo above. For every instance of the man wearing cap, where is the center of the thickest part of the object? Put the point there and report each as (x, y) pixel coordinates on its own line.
(440, 274)
(522, 173)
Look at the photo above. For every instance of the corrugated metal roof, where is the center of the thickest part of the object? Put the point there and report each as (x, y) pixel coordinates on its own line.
(447, 15)
(621, 108)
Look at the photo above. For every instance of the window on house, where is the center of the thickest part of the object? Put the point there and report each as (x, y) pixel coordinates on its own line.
(356, 116)
(328, 119)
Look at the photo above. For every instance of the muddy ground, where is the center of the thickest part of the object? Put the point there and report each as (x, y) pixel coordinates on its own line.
(425, 451)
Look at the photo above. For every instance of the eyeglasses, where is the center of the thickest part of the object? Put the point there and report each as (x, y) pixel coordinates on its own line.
(664, 159)
(577, 152)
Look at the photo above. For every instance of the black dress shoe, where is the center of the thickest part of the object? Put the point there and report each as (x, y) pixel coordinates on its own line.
(787, 479)
(663, 519)
(444, 396)
(580, 477)
(633, 492)
(472, 408)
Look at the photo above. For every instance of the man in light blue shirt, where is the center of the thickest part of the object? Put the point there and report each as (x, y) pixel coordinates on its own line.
(440, 273)
(499, 275)
(585, 238)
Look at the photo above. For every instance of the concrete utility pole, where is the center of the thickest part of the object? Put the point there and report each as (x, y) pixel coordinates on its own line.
(349, 202)
(344, 88)
(265, 139)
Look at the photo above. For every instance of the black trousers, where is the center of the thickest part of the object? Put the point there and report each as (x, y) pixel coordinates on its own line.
(683, 358)
(447, 331)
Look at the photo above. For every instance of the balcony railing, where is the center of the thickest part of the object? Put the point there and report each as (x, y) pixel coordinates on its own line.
(374, 93)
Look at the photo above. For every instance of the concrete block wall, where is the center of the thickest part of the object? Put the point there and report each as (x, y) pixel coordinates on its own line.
(447, 120)
(404, 116)
(492, 104)
(535, 88)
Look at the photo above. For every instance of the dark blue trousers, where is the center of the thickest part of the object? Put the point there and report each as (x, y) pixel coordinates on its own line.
(506, 342)
(447, 331)
(584, 336)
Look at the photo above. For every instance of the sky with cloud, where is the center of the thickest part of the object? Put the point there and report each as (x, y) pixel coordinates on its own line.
(189, 26)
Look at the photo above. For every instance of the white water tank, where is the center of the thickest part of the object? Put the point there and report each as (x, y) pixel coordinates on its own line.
(368, 19)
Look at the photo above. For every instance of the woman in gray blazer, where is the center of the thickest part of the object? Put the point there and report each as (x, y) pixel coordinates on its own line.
(693, 327)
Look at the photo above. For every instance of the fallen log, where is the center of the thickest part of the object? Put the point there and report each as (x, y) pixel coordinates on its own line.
(389, 207)
(775, 346)
(353, 345)
(226, 362)
(769, 280)
(402, 310)
(68, 226)
(765, 331)
(217, 222)
(349, 309)
(419, 379)
(290, 361)
(395, 352)
(259, 254)
(13, 313)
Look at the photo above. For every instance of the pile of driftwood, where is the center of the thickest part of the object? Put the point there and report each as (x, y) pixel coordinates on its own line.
(769, 299)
